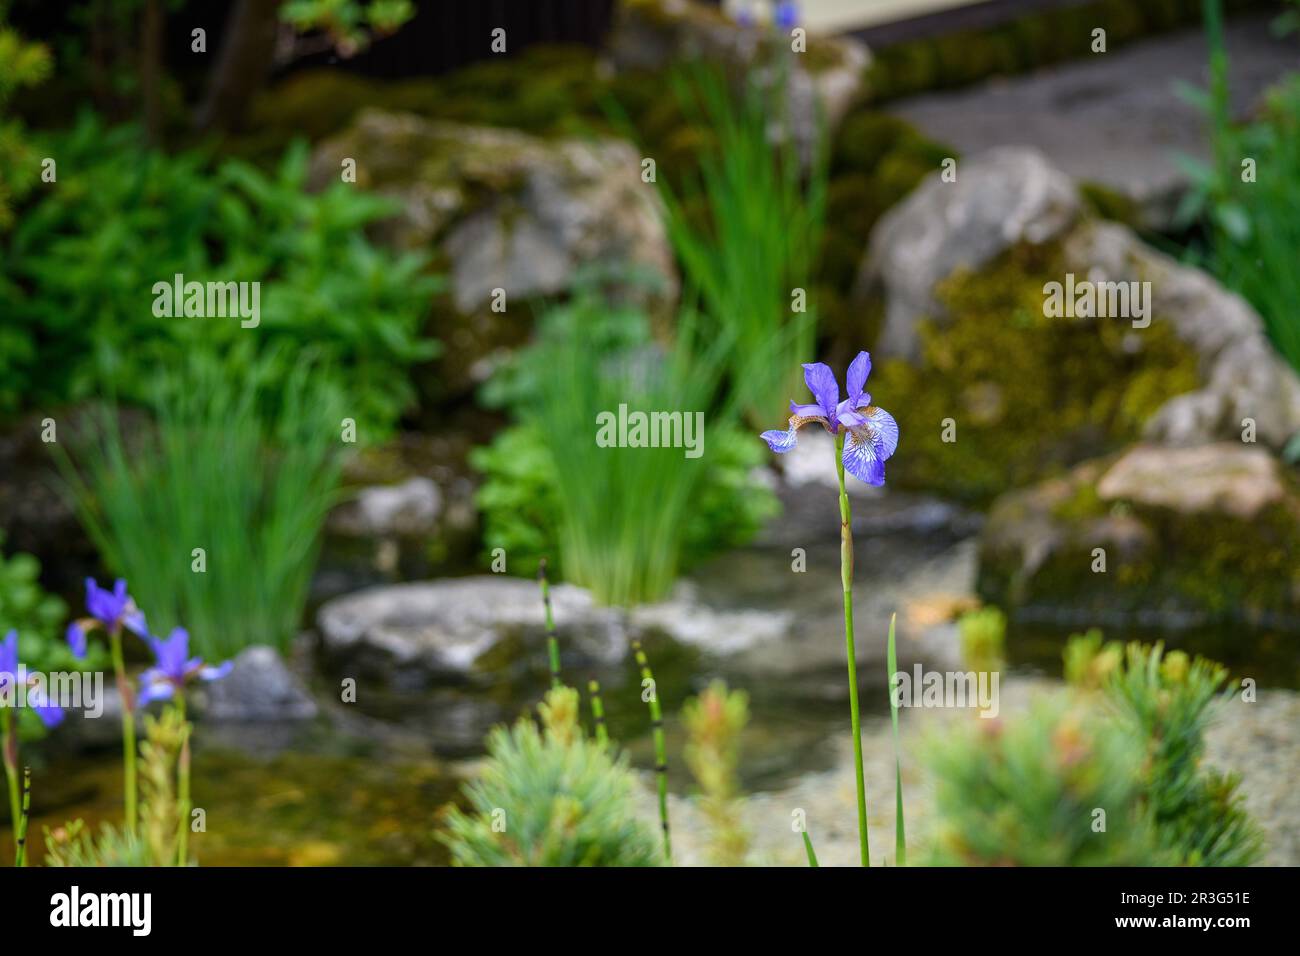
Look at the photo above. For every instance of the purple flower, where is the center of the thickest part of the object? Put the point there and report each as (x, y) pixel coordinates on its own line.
(37, 700)
(8, 659)
(872, 433)
(114, 609)
(174, 668)
(787, 15)
(76, 635)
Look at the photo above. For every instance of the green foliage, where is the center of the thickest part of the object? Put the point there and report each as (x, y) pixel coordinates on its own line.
(759, 238)
(160, 811)
(38, 618)
(621, 521)
(996, 367)
(22, 65)
(245, 468)
(550, 798)
(78, 274)
(1253, 215)
(1024, 792)
(350, 26)
(1166, 700)
(1129, 741)
(714, 722)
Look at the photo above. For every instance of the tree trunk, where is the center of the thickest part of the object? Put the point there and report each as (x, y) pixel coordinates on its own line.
(243, 65)
(151, 53)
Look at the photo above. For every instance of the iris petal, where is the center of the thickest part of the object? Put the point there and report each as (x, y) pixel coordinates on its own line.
(883, 428)
(821, 382)
(862, 457)
(856, 379)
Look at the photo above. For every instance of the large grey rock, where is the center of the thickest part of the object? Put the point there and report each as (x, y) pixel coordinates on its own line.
(445, 628)
(510, 210)
(1000, 198)
(410, 507)
(1243, 376)
(259, 688)
(1011, 195)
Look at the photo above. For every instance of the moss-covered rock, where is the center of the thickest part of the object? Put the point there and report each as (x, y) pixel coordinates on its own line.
(504, 210)
(1003, 395)
(994, 388)
(1186, 536)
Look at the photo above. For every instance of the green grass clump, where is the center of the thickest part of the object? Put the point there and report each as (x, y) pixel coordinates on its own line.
(1253, 220)
(623, 522)
(245, 469)
(760, 235)
(550, 798)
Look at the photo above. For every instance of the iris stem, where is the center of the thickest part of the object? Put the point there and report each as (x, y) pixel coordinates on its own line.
(10, 747)
(183, 789)
(128, 728)
(846, 575)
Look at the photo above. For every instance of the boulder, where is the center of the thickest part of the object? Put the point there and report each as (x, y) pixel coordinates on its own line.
(505, 210)
(1156, 536)
(462, 628)
(410, 507)
(259, 688)
(993, 388)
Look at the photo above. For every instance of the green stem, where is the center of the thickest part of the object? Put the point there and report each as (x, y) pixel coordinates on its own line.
(128, 728)
(21, 859)
(661, 751)
(808, 848)
(10, 748)
(598, 711)
(846, 575)
(900, 833)
(552, 642)
(183, 789)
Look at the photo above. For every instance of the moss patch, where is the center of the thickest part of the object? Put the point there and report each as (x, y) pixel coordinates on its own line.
(1162, 565)
(1028, 395)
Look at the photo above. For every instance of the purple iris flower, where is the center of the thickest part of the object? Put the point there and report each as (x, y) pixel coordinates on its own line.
(50, 715)
(114, 609)
(174, 668)
(872, 433)
(786, 16)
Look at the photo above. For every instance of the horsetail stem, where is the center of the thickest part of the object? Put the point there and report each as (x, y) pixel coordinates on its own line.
(21, 858)
(597, 711)
(661, 754)
(552, 642)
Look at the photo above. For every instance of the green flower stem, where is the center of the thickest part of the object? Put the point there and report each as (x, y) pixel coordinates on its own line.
(183, 789)
(552, 642)
(128, 728)
(20, 860)
(900, 834)
(598, 711)
(661, 751)
(846, 574)
(10, 748)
